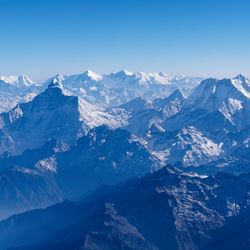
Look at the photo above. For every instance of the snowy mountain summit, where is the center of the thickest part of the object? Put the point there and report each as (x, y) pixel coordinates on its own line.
(212, 93)
(18, 81)
(52, 113)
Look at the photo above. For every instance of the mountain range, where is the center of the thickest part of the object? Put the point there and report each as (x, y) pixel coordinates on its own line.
(108, 90)
(124, 161)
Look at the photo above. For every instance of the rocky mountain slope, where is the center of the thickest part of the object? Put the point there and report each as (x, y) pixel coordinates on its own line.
(53, 113)
(167, 208)
(55, 171)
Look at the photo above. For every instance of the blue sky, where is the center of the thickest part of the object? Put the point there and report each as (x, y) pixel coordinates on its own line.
(194, 37)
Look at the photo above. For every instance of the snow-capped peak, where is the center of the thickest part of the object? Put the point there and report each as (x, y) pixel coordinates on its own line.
(171, 103)
(92, 75)
(55, 83)
(242, 84)
(25, 80)
(127, 72)
(211, 93)
(58, 77)
(124, 73)
(18, 81)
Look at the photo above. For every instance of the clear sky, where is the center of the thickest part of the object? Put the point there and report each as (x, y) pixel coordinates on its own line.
(195, 37)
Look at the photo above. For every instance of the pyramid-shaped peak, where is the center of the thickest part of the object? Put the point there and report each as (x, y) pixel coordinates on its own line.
(91, 74)
(176, 94)
(59, 77)
(55, 83)
(240, 77)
